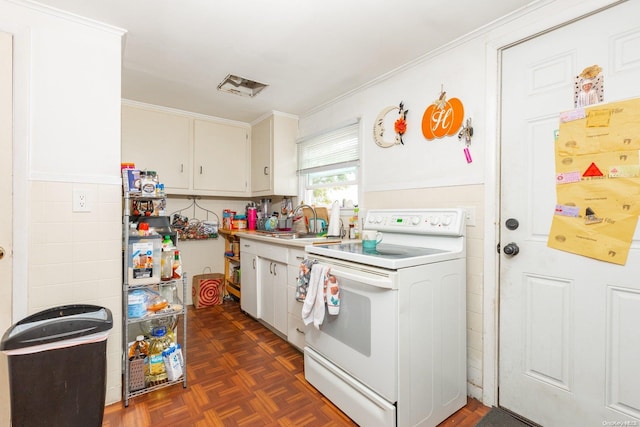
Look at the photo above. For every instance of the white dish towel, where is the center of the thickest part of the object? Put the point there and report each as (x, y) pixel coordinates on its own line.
(313, 307)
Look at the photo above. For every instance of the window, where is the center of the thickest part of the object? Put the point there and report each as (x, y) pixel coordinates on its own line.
(328, 166)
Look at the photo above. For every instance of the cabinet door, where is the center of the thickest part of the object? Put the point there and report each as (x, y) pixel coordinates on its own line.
(250, 292)
(266, 291)
(271, 139)
(261, 161)
(157, 141)
(280, 308)
(273, 293)
(285, 132)
(220, 158)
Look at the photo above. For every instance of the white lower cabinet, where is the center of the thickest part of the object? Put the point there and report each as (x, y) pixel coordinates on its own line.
(295, 326)
(273, 293)
(269, 280)
(249, 269)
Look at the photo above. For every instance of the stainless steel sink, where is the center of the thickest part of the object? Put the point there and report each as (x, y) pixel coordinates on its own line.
(281, 234)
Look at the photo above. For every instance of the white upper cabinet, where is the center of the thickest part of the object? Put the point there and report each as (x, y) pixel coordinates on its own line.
(191, 154)
(273, 156)
(158, 141)
(221, 158)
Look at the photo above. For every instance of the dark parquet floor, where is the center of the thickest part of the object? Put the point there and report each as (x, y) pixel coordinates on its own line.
(239, 373)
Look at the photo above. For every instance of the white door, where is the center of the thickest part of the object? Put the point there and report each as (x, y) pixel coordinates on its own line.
(6, 223)
(569, 325)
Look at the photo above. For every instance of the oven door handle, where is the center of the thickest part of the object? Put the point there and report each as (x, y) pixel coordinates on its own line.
(372, 281)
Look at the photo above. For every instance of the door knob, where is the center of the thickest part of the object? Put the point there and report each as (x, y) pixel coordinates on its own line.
(512, 224)
(511, 249)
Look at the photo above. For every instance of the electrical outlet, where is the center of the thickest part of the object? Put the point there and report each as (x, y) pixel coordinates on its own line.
(470, 215)
(81, 201)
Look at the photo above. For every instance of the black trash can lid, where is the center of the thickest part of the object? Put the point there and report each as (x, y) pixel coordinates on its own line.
(57, 324)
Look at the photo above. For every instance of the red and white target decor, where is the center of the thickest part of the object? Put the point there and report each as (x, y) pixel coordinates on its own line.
(208, 290)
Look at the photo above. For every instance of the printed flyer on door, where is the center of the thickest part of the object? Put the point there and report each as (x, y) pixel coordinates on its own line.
(597, 152)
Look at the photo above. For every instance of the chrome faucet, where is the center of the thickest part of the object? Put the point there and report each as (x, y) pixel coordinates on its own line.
(315, 216)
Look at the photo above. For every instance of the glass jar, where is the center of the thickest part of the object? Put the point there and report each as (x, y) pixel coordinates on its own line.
(148, 181)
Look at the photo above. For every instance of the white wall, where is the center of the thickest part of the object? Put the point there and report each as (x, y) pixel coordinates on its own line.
(418, 163)
(66, 136)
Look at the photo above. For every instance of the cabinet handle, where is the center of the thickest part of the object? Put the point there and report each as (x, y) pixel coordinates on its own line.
(298, 330)
(270, 268)
(254, 263)
(181, 167)
(301, 258)
(200, 170)
(266, 170)
(274, 269)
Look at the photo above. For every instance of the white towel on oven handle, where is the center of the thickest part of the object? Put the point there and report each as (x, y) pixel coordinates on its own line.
(313, 306)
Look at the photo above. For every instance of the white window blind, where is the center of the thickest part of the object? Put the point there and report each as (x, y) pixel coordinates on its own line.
(332, 148)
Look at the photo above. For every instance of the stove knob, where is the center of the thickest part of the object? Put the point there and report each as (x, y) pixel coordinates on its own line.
(435, 220)
(371, 219)
(415, 220)
(378, 219)
(447, 220)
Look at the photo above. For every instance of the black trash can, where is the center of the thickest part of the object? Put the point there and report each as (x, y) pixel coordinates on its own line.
(57, 366)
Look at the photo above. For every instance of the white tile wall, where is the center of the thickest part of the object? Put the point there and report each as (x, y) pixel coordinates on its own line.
(458, 196)
(75, 258)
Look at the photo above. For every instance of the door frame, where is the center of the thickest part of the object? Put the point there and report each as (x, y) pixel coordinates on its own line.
(22, 53)
(532, 22)
(6, 236)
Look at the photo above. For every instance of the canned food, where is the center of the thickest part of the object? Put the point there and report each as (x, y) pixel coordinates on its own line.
(239, 224)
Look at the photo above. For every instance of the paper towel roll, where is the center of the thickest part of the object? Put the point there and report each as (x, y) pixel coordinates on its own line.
(334, 222)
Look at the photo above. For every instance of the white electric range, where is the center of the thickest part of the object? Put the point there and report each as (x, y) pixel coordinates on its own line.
(395, 355)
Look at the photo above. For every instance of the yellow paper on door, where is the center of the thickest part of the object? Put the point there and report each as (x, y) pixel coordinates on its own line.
(604, 197)
(605, 240)
(600, 129)
(598, 181)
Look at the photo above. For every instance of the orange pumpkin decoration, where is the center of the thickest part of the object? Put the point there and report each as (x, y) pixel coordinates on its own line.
(442, 119)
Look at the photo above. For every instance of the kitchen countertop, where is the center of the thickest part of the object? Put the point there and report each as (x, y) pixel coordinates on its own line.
(298, 242)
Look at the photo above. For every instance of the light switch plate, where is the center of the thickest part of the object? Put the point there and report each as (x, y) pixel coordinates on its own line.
(470, 215)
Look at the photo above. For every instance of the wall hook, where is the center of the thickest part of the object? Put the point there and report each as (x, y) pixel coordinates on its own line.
(466, 132)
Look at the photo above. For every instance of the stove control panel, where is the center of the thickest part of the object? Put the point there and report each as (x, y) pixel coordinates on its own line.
(417, 221)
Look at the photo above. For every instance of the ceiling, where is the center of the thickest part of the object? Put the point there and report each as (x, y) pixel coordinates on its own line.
(309, 52)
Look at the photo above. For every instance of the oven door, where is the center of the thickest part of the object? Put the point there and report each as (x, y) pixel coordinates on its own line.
(362, 340)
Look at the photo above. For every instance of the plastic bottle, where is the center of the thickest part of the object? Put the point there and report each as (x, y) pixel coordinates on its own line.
(159, 343)
(252, 215)
(139, 349)
(177, 265)
(166, 262)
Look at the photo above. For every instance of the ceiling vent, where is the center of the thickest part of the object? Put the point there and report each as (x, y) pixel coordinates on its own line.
(241, 86)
